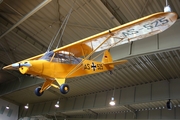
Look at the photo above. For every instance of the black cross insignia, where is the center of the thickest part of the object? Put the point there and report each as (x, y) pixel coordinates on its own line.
(93, 66)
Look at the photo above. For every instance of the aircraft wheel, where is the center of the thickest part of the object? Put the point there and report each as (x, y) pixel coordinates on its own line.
(37, 91)
(64, 88)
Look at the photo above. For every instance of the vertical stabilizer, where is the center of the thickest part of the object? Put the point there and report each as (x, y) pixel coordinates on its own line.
(107, 58)
(108, 61)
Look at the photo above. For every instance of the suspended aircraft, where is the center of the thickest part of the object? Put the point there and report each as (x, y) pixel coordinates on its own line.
(75, 59)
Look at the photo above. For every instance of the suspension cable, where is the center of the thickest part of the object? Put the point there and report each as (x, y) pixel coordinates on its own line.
(166, 2)
(54, 39)
(63, 25)
(59, 41)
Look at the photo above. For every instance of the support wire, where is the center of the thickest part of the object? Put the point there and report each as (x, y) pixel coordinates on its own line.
(63, 26)
(54, 39)
(59, 41)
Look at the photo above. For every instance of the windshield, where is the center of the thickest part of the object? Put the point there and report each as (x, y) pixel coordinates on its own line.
(47, 56)
(61, 57)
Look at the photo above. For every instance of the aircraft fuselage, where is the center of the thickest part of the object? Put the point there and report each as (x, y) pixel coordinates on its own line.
(46, 69)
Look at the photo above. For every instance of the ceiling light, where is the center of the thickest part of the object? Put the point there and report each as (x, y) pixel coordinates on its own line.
(57, 104)
(112, 102)
(26, 106)
(7, 107)
(167, 8)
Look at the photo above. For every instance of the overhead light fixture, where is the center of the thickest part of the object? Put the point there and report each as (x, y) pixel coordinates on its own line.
(26, 106)
(167, 8)
(7, 107)
(112, 102)
(169, 104)
(57, 104)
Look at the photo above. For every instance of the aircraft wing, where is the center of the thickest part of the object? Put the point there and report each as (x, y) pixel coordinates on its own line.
(135, 30)
(132, 31)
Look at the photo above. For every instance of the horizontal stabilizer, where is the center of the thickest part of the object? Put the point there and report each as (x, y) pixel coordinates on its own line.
(116, 62)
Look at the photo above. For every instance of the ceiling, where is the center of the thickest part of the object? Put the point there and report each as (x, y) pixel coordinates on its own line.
(26, 31)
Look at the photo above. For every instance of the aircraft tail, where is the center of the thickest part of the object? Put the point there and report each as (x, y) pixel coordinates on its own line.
(107, 60)
(106, 57)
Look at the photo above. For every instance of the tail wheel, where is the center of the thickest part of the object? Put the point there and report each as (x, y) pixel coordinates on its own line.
(37, 91)
(64, 88)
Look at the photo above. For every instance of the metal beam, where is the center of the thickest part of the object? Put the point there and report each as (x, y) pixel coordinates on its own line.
(27, 39)
(26, 16)
(56, 22)
(115, 11)
(144, 7)
(131, 109)
(108, 12)
(89, 111)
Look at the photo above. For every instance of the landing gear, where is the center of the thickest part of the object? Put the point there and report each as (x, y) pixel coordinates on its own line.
(64, 88)
(37, 91)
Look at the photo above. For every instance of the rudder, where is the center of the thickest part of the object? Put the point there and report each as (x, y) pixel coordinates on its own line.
(108, 61)
(107, 58)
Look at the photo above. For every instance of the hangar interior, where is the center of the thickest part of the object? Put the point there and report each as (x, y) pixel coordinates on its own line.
(141, 87)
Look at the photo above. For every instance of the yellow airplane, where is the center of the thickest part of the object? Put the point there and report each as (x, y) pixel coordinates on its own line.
(74, 59)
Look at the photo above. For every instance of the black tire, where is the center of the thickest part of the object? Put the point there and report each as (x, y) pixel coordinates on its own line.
(37, 91)
(64, 88)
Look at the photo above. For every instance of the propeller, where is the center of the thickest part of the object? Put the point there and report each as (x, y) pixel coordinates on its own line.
(26, 64)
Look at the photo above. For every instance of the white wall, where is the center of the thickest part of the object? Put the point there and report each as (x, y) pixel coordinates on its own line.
(11, 114)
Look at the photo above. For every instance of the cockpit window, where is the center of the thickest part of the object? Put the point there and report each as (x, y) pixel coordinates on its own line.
(61, 57)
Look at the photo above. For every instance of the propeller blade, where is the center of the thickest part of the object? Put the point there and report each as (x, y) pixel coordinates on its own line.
(15, 65)
(26, 64)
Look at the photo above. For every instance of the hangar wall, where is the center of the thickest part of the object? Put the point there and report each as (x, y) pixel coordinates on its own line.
(124, 97)
(8, 114)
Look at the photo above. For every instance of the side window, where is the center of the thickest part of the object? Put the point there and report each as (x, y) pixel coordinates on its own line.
(61, 58)
(65, 58)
